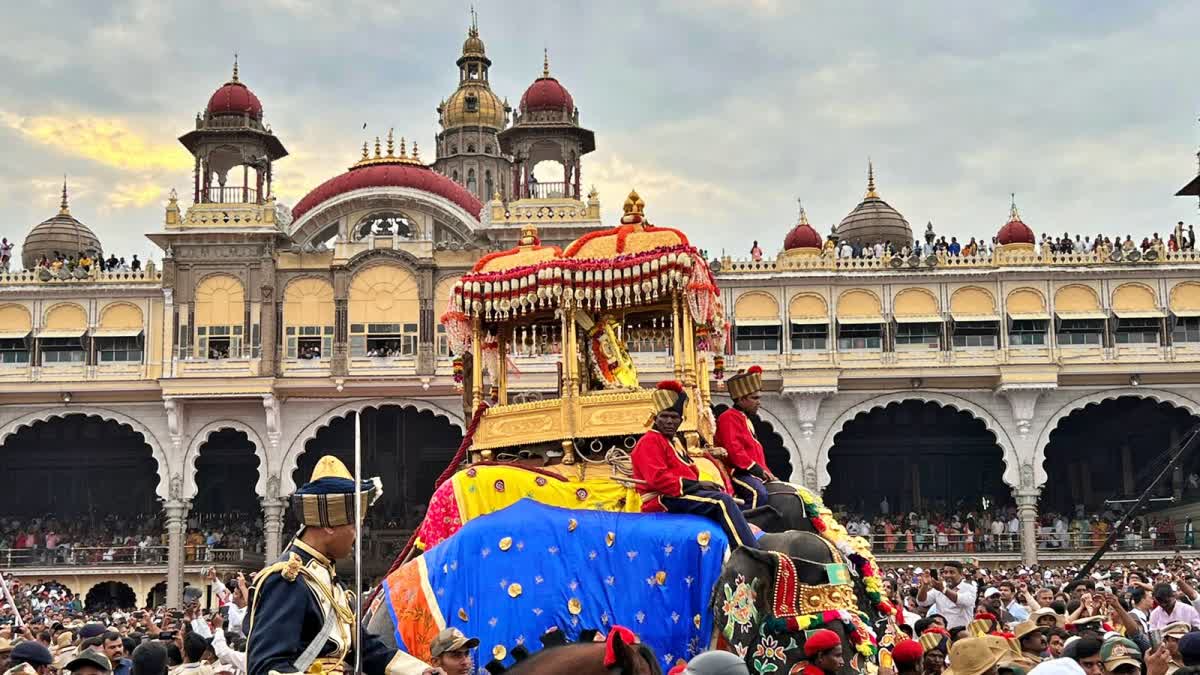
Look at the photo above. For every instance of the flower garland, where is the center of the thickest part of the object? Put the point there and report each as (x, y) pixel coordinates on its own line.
(861, 638)
(458, 372)
(855, 548)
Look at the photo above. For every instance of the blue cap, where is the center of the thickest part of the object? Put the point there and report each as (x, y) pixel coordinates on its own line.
(1189, 649)
(31, 652)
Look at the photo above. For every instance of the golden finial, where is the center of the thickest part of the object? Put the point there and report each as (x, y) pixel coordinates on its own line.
(63, 208)
(403, 148)
(545, 62)
(529, 235)
(364, 151)
(235, 68)
(391, 145)
(803, 215)
(634, 203)
(416, 153)
(1013, 214)
(473, 31)
(378, 154)
(871, 193)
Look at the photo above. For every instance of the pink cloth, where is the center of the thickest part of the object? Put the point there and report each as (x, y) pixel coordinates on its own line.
(441, 518)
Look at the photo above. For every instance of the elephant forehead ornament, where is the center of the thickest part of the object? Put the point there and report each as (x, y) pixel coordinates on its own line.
(792, 598)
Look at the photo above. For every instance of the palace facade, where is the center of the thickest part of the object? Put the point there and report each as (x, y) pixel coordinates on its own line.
(212, 382)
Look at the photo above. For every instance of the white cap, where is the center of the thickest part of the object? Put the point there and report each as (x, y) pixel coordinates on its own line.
(992, 590)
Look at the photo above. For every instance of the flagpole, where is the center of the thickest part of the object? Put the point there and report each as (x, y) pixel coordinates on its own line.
(13, 603)
(358, 508)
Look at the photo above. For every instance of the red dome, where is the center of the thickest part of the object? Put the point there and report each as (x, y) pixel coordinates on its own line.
(416, 176)
(802, 236)
(547, 94)
(235, 98)
(1015, 232)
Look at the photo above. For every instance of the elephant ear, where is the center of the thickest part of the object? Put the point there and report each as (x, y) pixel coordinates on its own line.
(758, 556)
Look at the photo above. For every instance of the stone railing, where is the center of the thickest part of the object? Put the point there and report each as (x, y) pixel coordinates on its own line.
(828, 262)
(43, 275)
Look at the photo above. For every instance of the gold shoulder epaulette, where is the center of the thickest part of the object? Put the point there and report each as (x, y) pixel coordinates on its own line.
(289, 569)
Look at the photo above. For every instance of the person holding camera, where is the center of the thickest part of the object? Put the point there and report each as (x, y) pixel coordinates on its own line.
(951, 595)
(232, 597)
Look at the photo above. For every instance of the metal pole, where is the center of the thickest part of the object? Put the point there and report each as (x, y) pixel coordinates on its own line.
(358, 542)
(1185, 446)
(12, 603)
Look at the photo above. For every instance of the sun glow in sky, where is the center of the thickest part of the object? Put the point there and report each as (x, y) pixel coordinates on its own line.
(720, 113)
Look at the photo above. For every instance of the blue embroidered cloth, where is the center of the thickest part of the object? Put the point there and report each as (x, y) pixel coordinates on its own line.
(510, 576)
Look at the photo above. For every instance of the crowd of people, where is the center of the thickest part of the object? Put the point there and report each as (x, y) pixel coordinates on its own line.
(69, 262)
(115, 539)
(1024, 616)
(1181, 239)
(999, 530)
(60, 636)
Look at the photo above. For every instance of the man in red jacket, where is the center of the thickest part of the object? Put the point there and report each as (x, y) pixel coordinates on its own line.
(744, 454)
(670, 480)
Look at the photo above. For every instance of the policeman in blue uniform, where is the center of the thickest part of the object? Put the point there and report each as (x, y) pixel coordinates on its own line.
(301, 619)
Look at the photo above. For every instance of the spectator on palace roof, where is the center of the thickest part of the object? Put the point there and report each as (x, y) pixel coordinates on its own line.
(756, 253)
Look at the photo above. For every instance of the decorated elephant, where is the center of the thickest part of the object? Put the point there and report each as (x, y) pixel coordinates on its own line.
(768, 599)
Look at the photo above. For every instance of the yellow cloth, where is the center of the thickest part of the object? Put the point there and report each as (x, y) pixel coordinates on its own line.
(481, 490)
(486, 489)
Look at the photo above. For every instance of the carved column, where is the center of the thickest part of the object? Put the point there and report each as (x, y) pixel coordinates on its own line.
(266, 320)
(426, 325)
(176, 511)
(1027, 514)
(1023, 400)
(807, 407)
(273, 525)
(339, 365)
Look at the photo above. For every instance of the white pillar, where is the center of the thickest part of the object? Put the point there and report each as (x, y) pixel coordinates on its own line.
(176, 512)
(1027, 513)
(273, 526)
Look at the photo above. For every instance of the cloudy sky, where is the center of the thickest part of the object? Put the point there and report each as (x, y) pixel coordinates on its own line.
(720, 112)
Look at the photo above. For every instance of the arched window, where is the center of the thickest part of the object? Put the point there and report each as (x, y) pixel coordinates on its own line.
(387, 224)
(488, 149)
(308, 318)
(471, 184)
(488, 185)
(455, 177)
(471, 147)
(472, 101)
(220, 317)
(454, 149)
(384, 310)
(119, 335)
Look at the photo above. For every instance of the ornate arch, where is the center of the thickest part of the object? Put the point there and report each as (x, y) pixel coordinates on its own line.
(747, 303)
(382, 256)
(290, 459)
(166, 478)
(1156, 395)
(304, 229)
(1008, 451)
(1123, 291)
(64, 306)
(968, 296)
(915, 294)
(201, 437)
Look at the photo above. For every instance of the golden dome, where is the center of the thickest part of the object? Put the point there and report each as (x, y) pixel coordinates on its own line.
(473, 46)
(473, 104)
